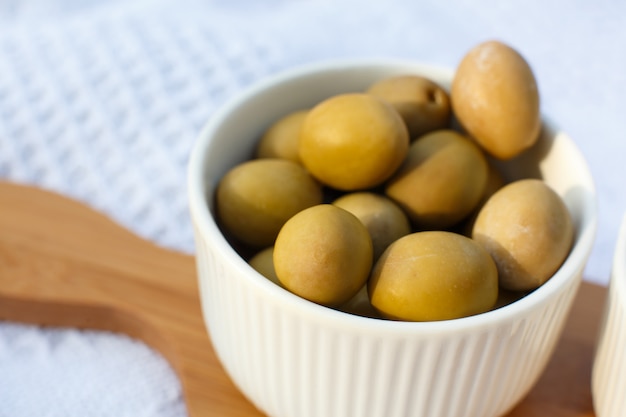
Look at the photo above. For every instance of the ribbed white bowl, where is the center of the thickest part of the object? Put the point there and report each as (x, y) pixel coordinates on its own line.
(293, 358)
(609, 367)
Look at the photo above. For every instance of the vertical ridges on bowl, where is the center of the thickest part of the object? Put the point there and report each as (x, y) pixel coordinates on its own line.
(609, 376)
(290, 365)
(608, 379)
(538, 333)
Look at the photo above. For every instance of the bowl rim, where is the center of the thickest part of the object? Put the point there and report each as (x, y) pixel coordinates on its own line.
(208, 230)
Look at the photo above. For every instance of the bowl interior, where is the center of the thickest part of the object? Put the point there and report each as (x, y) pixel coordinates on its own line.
(231, 134)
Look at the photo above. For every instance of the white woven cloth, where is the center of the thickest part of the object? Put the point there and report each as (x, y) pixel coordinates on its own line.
(101, 101)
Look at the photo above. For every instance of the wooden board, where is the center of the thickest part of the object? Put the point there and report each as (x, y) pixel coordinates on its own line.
(63, 264)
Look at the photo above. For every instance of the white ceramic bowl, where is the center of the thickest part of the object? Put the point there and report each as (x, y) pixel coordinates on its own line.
(608, 380)
(293, 358)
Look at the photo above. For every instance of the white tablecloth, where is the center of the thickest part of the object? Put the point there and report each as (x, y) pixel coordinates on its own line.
(101, 101)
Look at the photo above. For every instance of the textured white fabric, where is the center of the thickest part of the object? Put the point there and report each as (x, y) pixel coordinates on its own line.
(101, 101)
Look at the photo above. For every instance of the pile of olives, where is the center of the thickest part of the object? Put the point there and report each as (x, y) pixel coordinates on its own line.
(387, 202)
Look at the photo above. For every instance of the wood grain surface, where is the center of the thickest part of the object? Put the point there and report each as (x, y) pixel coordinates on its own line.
(64, 264)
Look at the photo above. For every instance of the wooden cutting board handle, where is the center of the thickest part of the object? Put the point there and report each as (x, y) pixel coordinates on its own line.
(63, 264)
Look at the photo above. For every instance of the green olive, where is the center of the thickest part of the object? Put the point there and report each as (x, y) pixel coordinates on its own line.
(360, 305)
(263, 263)
(441, 181)
(323, 254)
(281, 139)
(528, 230)
(495, 98)
(435, 275)
(255, 198)
(353, 141)
(384, 220)
(423, 104)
